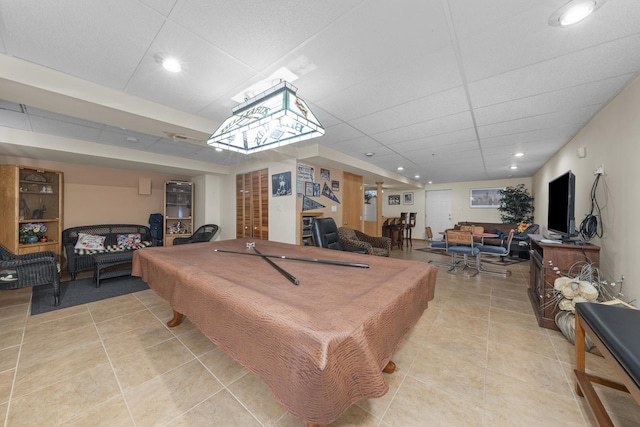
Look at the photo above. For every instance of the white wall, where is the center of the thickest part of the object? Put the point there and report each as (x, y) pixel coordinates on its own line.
(611, 138)
(460, 209)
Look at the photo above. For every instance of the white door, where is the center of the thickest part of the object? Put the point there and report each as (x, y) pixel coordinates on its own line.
(438, 211)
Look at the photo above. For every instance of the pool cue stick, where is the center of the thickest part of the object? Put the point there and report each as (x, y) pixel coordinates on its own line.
(282, 271)
(319, 261)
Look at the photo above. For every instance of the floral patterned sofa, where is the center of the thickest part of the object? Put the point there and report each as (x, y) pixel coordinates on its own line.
(82, 243)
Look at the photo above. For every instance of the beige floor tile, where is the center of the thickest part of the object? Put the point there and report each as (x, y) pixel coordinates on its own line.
(379, 406)
(9, 358)
(58, 343)
(143, 365)
(220, 410)
(112, 413)
(448, 341)
(14, 297)
(521, 320)
(37, 373)
(59, 402)
(257, 398)
(418, 404)
(456, 320)
(6, 382)
(42, 330)
(171, 394)
(126, 323)
(137, 339)
(195, 341)
(14, 323)
(222, 366)
(512, 305)
(420, 331)
(114, 307)
(3, 407)
(546, 373)
(15, 310)
(511, 402)
(520, 338)
(149, 298)
(468, 306)
(57, 314)
(511, 294)
(10, 337)
(448, 372)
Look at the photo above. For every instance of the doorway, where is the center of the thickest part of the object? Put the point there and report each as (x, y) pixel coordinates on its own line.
(438, 210)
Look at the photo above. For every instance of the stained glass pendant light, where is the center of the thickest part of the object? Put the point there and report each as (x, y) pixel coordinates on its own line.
(273, 118)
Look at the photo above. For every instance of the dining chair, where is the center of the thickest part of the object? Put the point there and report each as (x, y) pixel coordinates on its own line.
(460, 242)
(491, 250)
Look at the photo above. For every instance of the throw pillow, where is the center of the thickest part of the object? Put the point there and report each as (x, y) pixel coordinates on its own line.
(522, 226)
(89, 241)
(129, 241)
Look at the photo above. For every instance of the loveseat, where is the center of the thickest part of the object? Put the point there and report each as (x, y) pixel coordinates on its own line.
(82, 243)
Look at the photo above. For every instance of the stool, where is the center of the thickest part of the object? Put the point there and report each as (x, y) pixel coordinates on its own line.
(395, 233)
(104, 263)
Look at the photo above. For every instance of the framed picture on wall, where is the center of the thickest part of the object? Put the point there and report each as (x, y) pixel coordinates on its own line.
(394, 199)
(407, 198)
(281, 184)
(485, 197)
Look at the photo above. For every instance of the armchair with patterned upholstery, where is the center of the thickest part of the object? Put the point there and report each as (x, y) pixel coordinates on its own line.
(34, 269)
(354, 239)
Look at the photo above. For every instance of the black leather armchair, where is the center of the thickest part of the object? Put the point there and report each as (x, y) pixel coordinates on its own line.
(520, 242)
(325, 235)
(202, 234)
(35, 269)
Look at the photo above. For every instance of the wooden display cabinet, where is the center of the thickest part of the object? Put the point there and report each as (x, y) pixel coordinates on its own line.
(178, 210)
(30, 195)
(543, 258)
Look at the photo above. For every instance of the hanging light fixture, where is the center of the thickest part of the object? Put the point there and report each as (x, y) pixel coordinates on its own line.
(273, 118)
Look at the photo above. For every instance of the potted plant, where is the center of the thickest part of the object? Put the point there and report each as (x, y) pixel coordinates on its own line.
(516, 206)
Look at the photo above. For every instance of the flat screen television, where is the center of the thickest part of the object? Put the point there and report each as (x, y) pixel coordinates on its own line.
(561, 219)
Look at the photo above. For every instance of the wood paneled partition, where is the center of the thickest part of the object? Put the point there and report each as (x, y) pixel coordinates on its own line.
(252, 205)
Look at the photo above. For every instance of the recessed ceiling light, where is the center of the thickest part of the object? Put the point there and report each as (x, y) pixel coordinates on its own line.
(513, 167)
(369, 154)
(172, 65)
(430, 182)
(518, 155)
(417, 176)
(132, 139)
(218, 149)
(400, 168)
(574, 11)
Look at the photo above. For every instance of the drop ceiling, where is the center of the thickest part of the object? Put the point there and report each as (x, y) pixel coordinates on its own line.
(448, 89)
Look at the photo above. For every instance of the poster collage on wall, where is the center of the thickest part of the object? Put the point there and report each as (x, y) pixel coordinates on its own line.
(308, 188)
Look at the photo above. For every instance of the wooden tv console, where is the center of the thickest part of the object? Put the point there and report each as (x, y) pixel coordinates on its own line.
(543, 258)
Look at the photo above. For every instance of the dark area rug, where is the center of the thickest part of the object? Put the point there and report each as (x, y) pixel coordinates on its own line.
(83, 291)
(485, 260)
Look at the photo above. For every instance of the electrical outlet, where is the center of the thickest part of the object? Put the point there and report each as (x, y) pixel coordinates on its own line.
(599, 170)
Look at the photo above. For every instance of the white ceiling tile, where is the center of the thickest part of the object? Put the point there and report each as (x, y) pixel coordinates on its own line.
(99, 41)
(258, 33)
(442, 104)
(615, 58)
(199, 82)
(597, 92)
(162, 6)
(427, 128)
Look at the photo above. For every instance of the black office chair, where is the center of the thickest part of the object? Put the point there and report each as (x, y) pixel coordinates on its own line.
(202, 234)
(325, 235)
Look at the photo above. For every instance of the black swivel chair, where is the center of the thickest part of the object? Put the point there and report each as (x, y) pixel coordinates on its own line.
(325, 235)
(202, 234)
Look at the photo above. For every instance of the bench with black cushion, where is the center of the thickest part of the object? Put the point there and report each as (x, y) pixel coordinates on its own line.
(83, 259)
(614, 330)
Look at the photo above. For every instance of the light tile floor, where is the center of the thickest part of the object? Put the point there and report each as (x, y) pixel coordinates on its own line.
(476, 358)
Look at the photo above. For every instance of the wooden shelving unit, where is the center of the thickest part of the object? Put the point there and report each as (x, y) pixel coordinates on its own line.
(31, 195)
(178, 210)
